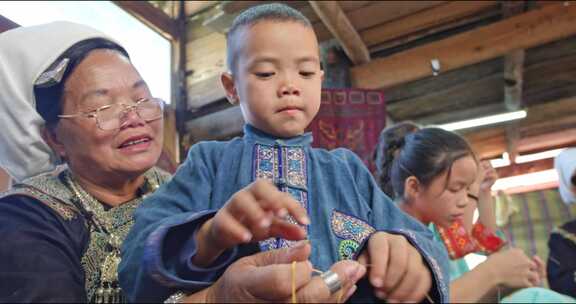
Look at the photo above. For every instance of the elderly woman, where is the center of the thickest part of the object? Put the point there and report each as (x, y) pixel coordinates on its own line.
(61, 231)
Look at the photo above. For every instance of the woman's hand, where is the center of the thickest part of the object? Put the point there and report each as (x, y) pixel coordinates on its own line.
(267, 277)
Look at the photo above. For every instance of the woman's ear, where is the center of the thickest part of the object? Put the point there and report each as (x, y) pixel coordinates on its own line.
(227, 81)
(51, 138)
(412, 188)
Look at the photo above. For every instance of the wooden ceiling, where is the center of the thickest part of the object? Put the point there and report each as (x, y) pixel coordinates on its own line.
(494, 56)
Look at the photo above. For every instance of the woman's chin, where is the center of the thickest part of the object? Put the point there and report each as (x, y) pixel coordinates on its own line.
(140, 163)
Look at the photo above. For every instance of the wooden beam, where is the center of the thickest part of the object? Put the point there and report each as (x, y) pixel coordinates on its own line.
(424, 20)
(195, 7)
(339, 25)
(525, 168)
(527, 30)
(151, 16)
(7, 24)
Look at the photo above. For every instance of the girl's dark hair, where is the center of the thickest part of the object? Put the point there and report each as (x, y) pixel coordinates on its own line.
(390, 141)
(424, 153)
(49, 99)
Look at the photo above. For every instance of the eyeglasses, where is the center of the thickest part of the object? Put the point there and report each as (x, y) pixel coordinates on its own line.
(112, 116)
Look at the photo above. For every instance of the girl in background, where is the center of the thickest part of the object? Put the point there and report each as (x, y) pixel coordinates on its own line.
(434, 176)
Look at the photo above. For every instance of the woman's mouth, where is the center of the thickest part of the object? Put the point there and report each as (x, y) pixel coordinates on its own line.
(136, 143)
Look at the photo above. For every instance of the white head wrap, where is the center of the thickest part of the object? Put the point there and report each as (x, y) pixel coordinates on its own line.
(25, 53)
(565, 164)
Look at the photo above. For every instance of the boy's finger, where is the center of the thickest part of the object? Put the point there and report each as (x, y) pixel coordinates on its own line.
(379, 251)
(397, 263)
(270, 198)
(247, 210)
(295, 209)
(230, 229)
(286, 230)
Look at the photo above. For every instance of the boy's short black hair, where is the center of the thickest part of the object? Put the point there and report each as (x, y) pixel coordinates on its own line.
(266, 12)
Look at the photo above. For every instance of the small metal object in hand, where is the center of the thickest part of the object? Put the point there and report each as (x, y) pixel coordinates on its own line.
(332, 281)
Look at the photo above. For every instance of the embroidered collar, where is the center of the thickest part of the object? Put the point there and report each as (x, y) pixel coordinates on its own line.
(255, 135)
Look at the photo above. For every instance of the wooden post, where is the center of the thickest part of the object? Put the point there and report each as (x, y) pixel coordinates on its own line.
(338, 24)
(513, 80)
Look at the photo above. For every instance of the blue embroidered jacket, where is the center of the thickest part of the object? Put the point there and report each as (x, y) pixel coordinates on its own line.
(343, 201)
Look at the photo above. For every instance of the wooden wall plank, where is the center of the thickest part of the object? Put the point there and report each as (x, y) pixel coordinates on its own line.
(424, 19)
(527, 30)
(218, 125)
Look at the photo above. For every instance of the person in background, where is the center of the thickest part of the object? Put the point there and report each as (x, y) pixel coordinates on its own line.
(436, 178)
(270, 188)
(5, 181)
(561, 266)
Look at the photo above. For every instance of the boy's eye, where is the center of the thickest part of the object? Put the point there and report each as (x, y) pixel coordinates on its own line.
(307, 74)
(264, 74)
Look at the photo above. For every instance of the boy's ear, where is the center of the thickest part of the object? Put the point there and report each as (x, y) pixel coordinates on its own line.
(412, 188)
(227, 81)
(322, 75)
(51, 138)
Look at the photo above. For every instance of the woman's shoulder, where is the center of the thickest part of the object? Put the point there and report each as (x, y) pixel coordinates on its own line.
(42, 191)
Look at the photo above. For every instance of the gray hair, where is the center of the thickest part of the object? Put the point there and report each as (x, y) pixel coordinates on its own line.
(275, 12)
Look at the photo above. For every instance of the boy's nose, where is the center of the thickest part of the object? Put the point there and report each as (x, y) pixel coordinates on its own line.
(289, 89)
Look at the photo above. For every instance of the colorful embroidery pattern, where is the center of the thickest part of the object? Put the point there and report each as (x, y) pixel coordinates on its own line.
(347, 249)
(351, 230)
(285, 166)
(459, 243)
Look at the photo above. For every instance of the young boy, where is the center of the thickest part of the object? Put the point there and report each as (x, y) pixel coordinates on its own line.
(269, 188)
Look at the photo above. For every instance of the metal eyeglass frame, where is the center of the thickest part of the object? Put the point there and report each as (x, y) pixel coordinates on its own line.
(127, 108)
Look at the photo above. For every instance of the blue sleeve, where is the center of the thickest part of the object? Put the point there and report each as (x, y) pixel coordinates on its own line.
(561, 265)
(387, 217)
(157, 252)
(40, 253)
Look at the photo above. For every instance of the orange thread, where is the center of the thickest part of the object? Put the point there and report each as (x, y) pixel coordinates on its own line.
(294, 300)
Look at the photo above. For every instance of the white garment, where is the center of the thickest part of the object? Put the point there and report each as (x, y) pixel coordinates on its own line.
(25, 53)
(565, 164)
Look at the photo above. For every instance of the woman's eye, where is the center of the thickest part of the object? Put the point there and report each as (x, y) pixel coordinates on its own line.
(264, 74)
(307, 74)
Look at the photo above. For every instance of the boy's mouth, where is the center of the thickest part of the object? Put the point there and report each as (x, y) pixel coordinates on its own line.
(289, 110)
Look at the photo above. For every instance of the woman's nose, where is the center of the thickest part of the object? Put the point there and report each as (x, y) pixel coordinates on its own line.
(131, 118)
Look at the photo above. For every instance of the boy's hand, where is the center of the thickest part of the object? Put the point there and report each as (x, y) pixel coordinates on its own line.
(252, 214)
(396, 269)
